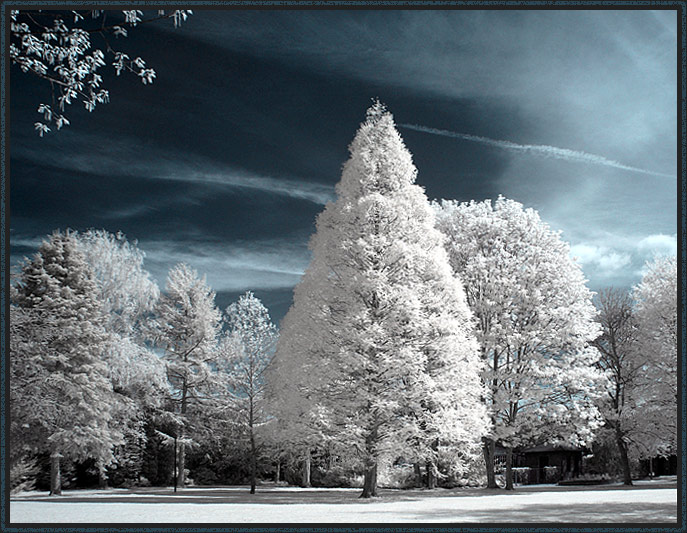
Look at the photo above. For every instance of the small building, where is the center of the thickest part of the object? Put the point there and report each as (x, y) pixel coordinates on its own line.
(545, 463)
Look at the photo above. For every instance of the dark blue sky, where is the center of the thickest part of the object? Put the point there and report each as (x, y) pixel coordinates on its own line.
(225, 161)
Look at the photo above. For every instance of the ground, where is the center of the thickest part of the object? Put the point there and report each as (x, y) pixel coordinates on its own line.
(652, 501)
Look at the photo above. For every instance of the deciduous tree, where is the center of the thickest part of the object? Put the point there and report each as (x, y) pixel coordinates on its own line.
(656, 312)
(128, 295)
(186, 327)
(535, 320)
(618, 347)
(249, 348)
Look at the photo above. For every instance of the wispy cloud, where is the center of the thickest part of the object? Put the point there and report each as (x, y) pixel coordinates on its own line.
(537, 150)
(266, 264)
(231, 267)
(27, 242)
(313, 192)
(123, 158)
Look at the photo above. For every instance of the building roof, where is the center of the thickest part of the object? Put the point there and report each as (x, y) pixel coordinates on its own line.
(541, 448)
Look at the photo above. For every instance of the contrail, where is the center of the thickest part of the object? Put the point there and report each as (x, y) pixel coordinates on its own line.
(541, 150)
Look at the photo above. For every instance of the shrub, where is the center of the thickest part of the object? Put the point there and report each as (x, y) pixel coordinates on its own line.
(397, 477)
(337, 476)
(23, 475)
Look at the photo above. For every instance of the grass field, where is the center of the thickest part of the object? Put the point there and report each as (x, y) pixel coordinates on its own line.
(647, 502)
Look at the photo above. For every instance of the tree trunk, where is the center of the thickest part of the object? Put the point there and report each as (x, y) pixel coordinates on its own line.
(432, 468)
(418, 474)
(488, 448)
(370, 483)
(55, 475)
(431, 475)
(102, 477)
(253, 462)
(181, 460)
(278, 471)
(509, 469)
(624, 459)
(305, 482)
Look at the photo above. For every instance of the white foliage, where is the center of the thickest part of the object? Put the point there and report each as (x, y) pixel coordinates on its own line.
(60, 50)
(377, 351)
(656, 314)
(535, 320)
(248, 350)
(186, 327)
(127, 291)
(128, 295)
(74, 406)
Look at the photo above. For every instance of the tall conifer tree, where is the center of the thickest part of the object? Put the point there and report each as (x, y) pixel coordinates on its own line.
(380, 329)
(77, 404)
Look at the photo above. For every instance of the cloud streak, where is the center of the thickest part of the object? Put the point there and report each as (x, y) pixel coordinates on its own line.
(123, 158)
(301, 190)
(276, 264)
(537, 150)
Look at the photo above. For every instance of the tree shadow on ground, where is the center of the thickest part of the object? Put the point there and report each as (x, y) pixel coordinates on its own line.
(224, 495)
(654, 513)
(275, 495)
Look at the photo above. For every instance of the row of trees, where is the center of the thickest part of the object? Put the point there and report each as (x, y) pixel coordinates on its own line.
(96, 351)
(638, 353)
(421, 329)
(421, 333)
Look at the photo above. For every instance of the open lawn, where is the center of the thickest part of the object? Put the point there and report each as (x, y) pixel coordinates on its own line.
(649, 502)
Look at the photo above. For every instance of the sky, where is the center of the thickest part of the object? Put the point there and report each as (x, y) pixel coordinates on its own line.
(225, 161)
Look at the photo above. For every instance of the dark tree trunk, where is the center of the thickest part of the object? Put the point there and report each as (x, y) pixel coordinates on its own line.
(181, 461)
(55, 475)
(305, 481)
(431, 475)
(181, 457)
(253, 452)
(488, 448)
(370, 483)
(624, 459)
(418, 475)
(509, 469)
(253, 464)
